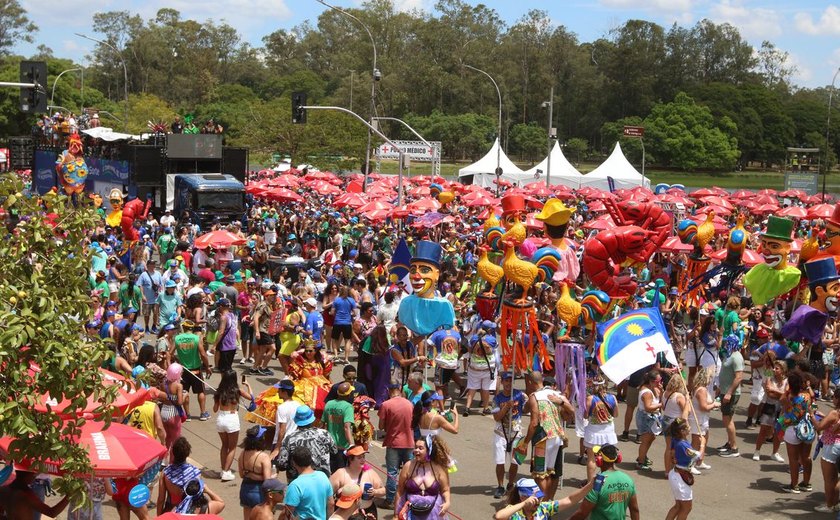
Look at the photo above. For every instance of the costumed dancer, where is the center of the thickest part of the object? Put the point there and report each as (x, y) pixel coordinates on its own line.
(71, 167)
(423, 312)
(774, 277)
(556, 215)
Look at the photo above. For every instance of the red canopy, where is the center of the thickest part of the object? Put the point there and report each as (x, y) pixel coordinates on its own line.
(794, 212)
(674, 245)
(539, 189)
(766, 199)
(532, 223)
(285, 181)
(129, 395)
(821, 211)
(716, 200)
(719, 210)
(742, 194)
(117, 452)
(376, 205)
(283, 194)
(702, 192)
(424, 206)
(482, 200)
(602, 222)
(221, 239)
(354, 200)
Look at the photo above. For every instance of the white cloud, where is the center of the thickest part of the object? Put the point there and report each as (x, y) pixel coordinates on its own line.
(803, 73)
(237, 13)
(410, 5)
(651, 5)
(828, 23)
(752, 22)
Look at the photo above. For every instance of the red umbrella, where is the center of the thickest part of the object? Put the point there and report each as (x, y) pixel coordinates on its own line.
(539, 189)
(285, 181)
(719, 210)
(601, 195)
(749, 204)
(674, 245)
(325, 188)
(794, 212)
(702, 192)
(821, 211)
(742, 194)
(424, 206)
(482, 200)
(767, 191)
(221, 239)
(117, 452)
(532, 223)
(716, 200)
(765, 208)
(376, 214)
(129, 395)
(504, 183)
(597, 206)
(750, 257)
(419, 191)
(354, 200)
(375, 205)
(766, 199)
(284, 194)
(400, 211)
(601, 223)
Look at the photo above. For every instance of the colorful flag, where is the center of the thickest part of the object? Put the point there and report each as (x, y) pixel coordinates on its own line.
(400, 263)
(631, 342)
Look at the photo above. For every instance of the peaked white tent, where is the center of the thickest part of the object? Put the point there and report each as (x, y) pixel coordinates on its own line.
(562, 171)
(619, 169)
(483, 171)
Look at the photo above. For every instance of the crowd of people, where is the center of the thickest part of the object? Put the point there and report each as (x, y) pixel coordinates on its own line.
(306, 290)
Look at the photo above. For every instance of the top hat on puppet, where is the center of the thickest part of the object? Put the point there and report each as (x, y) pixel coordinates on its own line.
(834, 219)
(513, 204)
(427, 251)
(555, 213)
(778, 228)
(821, 271)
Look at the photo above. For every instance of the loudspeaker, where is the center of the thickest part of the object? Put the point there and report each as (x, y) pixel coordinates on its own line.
(235, 162)
(21, 152)
(147, 164)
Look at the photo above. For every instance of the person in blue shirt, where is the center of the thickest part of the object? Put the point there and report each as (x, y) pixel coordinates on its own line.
(310, 495)
(342, 309)
(778, 346)
(314, 325)
(680, 477)
(150, 285)
(507, 412)
(446, 345)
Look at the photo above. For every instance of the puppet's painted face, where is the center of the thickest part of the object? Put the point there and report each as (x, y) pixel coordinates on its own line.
(75, 147)
(827, 295)
(424, 278)
(832, 235)
(775, 252)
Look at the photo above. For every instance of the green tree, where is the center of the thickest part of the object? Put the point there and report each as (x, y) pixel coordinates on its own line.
(15, 26)
(44, 301)
(529, 141)
(576, 149)
(684, 135)
(146, 108)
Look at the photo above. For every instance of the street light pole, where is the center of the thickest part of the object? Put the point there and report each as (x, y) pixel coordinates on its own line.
(375, 76)
(551, 136)
(827, 132)
(499, 132)
(55, 82)
(125, 74)
(413, 131)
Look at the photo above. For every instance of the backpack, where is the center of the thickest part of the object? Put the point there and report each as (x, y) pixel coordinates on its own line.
(213, 321)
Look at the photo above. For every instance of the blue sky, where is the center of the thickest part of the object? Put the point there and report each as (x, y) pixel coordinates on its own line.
(808, 29)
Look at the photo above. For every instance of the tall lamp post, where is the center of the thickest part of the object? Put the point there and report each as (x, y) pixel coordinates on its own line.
(828, 130)
(551, 136)
(375, 76)
(125, 74)
(499, 131)
(55, 82)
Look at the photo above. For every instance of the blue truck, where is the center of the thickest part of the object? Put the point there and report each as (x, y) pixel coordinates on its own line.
(206, 197)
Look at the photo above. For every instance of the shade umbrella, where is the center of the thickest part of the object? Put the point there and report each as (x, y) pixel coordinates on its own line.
(768, 191)
(793, 212)
(375, 205)
(765, 209)
(597, 206)
(539, 189)
(119, 451)
(766, 199)
(285, 181)
(400, 211)
(749, 204)
(376, 214)
(719, 210)
(716, 200)
(482, 200)
(419, 191)
(702, 192)
(600, 223)
(221, 239)
(531, 222)
(674, 245)
(325, 188)
(820, 211)
(283, 194)
(353, 200)
(742, 194)
(600, 195)
(129, 395)
(750, 257)
(424, 205)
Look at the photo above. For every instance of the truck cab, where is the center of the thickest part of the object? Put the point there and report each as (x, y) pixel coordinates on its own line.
(208, 197)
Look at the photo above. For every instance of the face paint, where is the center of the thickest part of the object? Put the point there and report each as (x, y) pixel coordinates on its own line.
(424, 277)
(775, 252)
(827, 300)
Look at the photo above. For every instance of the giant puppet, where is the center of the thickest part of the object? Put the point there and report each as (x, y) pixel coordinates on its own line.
(556, 215)
(808, 321)
(125, 213)
(774, 277)
(832, 235)
(423, 312)
(71, 167)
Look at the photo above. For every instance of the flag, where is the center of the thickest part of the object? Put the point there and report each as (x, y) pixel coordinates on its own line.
(631, 342)
(400, 263)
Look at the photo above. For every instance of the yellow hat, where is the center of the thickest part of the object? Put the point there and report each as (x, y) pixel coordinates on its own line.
(555, 213)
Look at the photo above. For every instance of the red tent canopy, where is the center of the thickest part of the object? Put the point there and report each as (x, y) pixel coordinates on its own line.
(221, 239)
(821, 211)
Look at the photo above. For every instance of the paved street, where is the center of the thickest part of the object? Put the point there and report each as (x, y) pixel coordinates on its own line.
(739, 488)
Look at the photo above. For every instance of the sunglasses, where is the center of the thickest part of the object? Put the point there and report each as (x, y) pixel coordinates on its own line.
(308, 351)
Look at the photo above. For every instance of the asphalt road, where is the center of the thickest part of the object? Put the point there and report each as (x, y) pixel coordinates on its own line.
(735, 488)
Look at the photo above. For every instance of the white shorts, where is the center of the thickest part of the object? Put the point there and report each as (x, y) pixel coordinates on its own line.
(113, 287)
(790, 436)
(480, 380)
(599, 435)
(703, 428)
(500, 452)
(227, 422)
(580, 422)
(679, 488)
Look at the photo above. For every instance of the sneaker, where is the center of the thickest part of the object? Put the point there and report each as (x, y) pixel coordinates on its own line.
(624, 437)
(466, 412)
(790, 489)
(154, 330)
(822, 508)
(724, 448)
(695, 471)
(581, 460)
(227, 476)
(243, 361)
(486, 411)
(253, 371)
(751, 426)
(756, 456)
(266, 372)
(638, 439)
(778, 458)
(806, 487)
(499, 492)
(643, 466)
(731, 454)
(250, 360)
(205, 416)
(703, 465)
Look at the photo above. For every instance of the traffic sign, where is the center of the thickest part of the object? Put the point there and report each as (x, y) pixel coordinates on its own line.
(634, 131)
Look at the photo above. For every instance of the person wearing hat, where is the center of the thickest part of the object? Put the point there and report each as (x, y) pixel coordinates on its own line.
(359, 473)
(274, 493)
(422, 312)
(284, 417)
(338, 417)
(98, 283)
(774, 277)
(228, 290)
(151, 284)
(165, 244)
(307, 435)
(615, 495)
(189, 352)
(176, 274)
(170, 304)
(508, 405)
(347, 505)
(556, 216)
(525, 501)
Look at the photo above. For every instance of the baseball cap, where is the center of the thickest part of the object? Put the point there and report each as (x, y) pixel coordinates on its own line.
(344, 389)
(169, 326)
(170, 284)
(527, 487)
(348, 495)
(272, 485)
(172, 263)
(356, 450)
(224, 302)
(312, 302)
(146, 237)
(507, 375)
(285, 384)
(131, 310)
(358, 266)
(110, 313)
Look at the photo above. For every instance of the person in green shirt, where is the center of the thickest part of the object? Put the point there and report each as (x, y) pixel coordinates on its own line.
(98, 283)
(189, 351)
(166, 244)
(610, 499)
(130, 295)
(338, 417)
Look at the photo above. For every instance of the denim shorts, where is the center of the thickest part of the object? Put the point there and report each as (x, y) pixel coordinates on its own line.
(250, 493)
(830, 453)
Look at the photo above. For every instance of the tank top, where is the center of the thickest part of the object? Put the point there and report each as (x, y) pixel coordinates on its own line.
(831, 435)
(641, 403)
(143, 418)
(672, 407)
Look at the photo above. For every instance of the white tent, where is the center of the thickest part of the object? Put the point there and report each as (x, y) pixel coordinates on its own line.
(562, 171)
(483, 170)
(619, 169)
